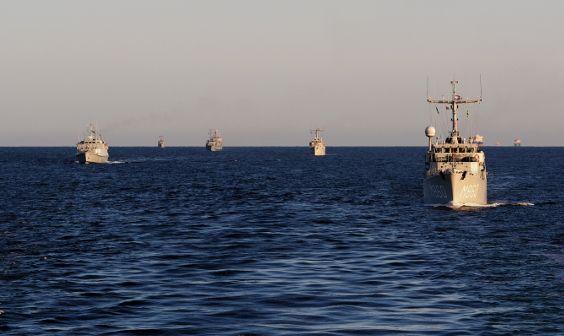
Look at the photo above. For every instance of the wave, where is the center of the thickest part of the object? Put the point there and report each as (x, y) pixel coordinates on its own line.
(144, 159)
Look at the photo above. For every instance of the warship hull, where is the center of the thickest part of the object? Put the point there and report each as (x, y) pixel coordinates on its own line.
(456, 189)
(88, 157)
(318, 150)
(214, 148)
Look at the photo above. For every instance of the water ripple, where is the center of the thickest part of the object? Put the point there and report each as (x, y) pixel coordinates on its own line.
(271, 241)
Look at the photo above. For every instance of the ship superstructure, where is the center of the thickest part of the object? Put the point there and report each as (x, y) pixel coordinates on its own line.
(316, 144)
(456, 170)
(161, 142)
(215, 141)
(93, 149)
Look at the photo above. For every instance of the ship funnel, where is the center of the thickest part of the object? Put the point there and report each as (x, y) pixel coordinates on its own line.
(430, 131)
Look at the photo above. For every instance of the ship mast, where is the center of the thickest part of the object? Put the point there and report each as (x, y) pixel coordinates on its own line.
(453, 103)
(92, 133)
(316, 132)
(214, 133)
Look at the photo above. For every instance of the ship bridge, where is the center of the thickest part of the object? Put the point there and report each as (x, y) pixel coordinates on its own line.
(461, 152)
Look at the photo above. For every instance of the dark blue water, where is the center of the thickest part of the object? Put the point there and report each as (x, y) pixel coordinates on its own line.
(272, 241)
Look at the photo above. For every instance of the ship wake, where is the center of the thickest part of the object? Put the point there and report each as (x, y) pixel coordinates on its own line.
(469, 206)
(498, 204)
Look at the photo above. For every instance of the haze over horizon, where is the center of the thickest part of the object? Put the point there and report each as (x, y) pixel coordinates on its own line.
(265, 72)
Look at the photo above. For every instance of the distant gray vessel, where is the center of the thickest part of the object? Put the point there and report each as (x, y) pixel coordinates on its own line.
(215, 141)
(477, 139)
(517, 142)
(456, 169)
(93, 149)
(316, 144)
(161, 143)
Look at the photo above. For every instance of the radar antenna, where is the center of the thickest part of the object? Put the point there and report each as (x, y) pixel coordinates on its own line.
(481, 86)
(453, 103)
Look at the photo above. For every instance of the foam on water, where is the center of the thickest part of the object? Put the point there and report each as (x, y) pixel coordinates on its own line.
(479, 206)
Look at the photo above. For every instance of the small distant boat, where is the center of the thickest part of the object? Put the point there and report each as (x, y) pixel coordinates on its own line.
(161, 142)
(477, 139)
(215, 141)
(517, 142)
(316, 144)
(93, 149)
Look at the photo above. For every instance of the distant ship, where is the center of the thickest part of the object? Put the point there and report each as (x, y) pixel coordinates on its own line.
(316, 144)
(215, 141)
(517, 142)
(93, 149)
(456, 169)
(477, 139)
(161, 142)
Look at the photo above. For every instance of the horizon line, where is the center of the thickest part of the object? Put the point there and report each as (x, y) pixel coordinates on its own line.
(270, 146)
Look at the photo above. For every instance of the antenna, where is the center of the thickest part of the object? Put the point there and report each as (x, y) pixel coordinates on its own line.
(481, 87)
(316, 132)
(427, 86)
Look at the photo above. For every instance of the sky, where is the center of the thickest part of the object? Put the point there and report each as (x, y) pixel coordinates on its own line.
(264, 72)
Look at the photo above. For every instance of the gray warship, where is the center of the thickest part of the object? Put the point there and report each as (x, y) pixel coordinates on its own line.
(316, 144)
(161, 142)
(215, 141)
(517, 142)
(456, 170)
(93, 149)
(478, 139)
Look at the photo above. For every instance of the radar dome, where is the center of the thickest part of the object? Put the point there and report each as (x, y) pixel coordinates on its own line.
(430, 131)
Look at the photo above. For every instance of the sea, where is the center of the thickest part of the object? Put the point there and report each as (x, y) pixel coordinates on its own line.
(274, 241)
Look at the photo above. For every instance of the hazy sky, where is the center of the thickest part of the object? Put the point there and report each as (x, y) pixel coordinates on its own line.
(266, 71)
